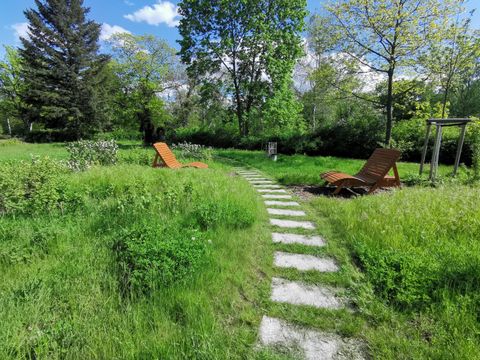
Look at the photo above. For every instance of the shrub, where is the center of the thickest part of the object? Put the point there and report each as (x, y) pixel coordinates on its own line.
(84, 154)
(138, 156)
(193, 151)
(9, 141)
(119, 134)
(150, 257)
(35, 186)
(476, 149)
(48, 136)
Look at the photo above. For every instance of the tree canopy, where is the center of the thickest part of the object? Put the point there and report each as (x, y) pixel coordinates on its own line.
(62, 68)
(251, 46)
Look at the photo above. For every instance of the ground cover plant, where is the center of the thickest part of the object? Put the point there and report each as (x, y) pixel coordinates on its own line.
(149, 263)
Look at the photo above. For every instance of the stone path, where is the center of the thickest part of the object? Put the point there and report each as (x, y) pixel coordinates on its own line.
(313, 344)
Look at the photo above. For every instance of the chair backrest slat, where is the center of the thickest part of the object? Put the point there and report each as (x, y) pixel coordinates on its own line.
(380, 163)
(167, 156)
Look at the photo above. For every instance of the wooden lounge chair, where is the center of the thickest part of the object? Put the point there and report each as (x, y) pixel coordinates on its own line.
(167, 158)
(374, 174)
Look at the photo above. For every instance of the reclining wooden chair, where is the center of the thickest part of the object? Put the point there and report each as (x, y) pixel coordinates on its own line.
(374, 173)
(169, 160)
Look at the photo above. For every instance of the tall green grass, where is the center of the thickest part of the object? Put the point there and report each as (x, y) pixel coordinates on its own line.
(418, 251)
(60, 294)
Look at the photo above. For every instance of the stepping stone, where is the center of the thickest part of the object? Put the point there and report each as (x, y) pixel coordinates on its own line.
(292, 224)
(286, 212)
(260, 182)
(298, 293)
(272, 186)
(281, 203)
(314, 344)
(297, 239)
(272, 191)
(304, 262)
(259, 178)
(268, 196)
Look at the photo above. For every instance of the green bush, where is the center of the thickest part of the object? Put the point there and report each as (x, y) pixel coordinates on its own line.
(193, 151)
(119, 134)
(137, 156)
(35, 186)
(150, 257)
(85, 153)
(409, 136)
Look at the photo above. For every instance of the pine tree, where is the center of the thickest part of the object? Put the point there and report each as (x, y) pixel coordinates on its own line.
(62, 68)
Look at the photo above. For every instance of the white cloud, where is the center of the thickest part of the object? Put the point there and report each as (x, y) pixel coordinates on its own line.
(128, 3)
(109, 30)
(20, 30)
(164, 12)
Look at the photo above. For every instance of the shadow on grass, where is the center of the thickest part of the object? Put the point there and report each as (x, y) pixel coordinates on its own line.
(309, 191)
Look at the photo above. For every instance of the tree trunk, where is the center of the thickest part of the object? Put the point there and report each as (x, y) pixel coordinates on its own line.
(9, 127)
(388, 135)
(445, 97)
(239, 110)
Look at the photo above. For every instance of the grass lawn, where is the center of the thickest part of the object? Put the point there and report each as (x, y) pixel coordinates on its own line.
(303, 170)
(61, 295)
(76, 283)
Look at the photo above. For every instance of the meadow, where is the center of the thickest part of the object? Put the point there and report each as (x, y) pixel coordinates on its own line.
(126, 261)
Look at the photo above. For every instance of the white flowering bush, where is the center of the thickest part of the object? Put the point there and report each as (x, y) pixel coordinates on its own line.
(85, 153)
(193, 151)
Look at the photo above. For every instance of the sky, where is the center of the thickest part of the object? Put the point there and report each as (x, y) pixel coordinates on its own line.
(157, 17)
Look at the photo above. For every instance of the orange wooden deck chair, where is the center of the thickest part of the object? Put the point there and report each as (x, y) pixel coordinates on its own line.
(164, 157)
(374, 174)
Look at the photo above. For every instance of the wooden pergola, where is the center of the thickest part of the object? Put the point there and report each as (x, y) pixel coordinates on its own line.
(440, 124)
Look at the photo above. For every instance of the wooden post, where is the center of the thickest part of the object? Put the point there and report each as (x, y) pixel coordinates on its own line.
(436, 152)
(425, 148)
(461, 140)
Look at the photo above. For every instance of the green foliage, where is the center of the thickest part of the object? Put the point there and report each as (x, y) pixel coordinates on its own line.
(11, 89)
(150, 256)
(193, 151)
(387, 34)
(35, 186)
(63, 77)
(282, 112)
(85, 153)
(257, 37)
(144, 67)
(401, 279)
(210, 215)
(475, 126)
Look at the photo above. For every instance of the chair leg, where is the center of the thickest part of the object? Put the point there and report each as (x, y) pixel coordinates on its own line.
(373, 188)
(338, 189)
(155, 161)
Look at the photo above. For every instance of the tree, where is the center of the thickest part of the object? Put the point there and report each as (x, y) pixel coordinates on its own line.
(251, 46)
(454, 57)
(146, 67)
(11, 87)
(388, 37)
(62, 68)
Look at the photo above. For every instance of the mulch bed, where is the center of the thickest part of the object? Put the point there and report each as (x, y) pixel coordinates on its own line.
(308, 192)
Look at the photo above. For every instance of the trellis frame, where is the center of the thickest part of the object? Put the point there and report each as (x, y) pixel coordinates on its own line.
(440, 124)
